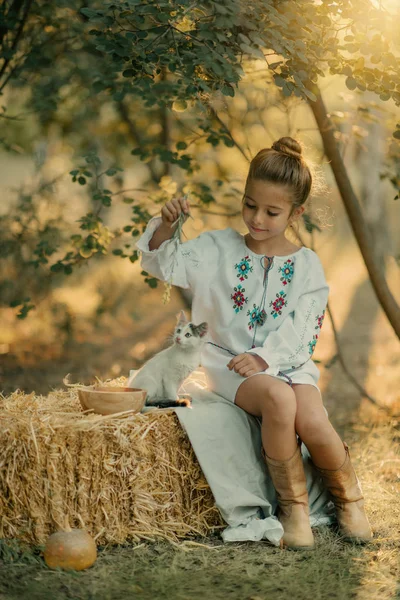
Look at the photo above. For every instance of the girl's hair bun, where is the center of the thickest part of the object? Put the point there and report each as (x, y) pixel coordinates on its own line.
(288, 146)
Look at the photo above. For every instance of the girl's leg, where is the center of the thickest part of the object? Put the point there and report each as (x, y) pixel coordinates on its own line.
(274, 401)
(315, 429)
(332, 459)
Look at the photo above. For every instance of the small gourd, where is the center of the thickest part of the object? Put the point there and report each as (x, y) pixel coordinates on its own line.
(70, 549)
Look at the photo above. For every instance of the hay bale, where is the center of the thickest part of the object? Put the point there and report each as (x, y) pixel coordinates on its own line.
(121, 478)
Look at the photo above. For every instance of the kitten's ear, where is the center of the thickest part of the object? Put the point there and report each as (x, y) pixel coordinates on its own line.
(202, 329)
(181, 317)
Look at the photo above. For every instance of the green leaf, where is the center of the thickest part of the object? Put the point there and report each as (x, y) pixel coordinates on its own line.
(134, 257)
(347, 71)
(279, 81)
(56, 268)
(351, 83)
(90, 13)
(106, 201)
(228, 90)
(152, 282)
(229, 142)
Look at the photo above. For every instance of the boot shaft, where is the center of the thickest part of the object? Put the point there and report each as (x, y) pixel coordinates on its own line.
(343, 483)
(289, 479)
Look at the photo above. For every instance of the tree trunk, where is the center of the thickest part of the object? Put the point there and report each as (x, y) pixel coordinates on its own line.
(373, 201)
(357, 221)
(165, 136)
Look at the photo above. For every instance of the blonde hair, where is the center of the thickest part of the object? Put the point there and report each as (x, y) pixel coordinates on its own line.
(284, 164)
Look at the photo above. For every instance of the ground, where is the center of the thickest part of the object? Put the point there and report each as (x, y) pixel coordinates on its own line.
(207, 568)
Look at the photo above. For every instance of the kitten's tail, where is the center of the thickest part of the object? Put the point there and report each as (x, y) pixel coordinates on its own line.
(166, 403)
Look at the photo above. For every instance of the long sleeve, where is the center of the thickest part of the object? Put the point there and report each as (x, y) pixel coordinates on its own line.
(177, 263)
(293, 343)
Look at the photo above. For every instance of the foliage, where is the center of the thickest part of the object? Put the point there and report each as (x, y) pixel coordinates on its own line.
(162, 59)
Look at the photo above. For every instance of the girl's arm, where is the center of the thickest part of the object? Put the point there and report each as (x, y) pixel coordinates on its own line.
(182, 264)
(162, 234)
(170, 212)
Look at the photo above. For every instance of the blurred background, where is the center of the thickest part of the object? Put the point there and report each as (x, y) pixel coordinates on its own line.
(73, 298)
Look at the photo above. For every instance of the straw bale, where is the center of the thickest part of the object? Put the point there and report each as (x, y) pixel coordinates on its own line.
(123, 478)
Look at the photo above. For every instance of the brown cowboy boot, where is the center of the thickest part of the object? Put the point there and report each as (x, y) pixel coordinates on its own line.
(349, 501)
(289, 481)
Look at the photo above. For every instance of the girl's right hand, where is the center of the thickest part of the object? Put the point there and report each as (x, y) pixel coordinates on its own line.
(173, 208)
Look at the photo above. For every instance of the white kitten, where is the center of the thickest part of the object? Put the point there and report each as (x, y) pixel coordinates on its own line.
(165, 372)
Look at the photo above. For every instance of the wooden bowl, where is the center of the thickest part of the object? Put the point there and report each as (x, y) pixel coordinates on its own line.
(108, 400)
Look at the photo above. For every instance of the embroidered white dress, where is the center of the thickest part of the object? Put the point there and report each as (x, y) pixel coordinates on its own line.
(270, 306)
(273, 307)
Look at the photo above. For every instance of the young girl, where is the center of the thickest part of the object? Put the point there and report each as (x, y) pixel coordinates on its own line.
(264, 299)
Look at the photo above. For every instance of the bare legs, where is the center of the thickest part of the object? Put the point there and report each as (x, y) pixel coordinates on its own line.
(275, 402)
(286, 411)
(315, 429)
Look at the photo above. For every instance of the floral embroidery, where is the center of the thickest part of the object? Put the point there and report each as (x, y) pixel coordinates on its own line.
(238, 298)
(312, 344)
(244, 268)
(278, 304)
(320, 320)
(287, 271)
(257, 316)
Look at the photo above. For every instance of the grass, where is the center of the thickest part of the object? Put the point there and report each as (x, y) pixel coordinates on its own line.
(207, 568)
(163, 571)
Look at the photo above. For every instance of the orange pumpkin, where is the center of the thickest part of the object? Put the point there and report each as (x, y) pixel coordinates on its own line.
(71, 549)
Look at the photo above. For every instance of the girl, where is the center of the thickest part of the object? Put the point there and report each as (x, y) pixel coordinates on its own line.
(264, 299)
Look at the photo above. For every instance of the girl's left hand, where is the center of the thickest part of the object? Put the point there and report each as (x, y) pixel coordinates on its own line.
(247, 364)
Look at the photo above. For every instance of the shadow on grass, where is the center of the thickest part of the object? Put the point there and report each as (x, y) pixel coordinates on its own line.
(162, 571)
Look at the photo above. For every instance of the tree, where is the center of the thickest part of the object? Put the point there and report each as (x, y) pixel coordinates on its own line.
(158, 57)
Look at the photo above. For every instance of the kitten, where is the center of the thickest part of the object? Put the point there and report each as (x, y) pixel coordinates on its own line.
(164, 373)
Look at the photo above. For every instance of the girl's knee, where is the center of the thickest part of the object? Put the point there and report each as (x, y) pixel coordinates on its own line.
(279, 403)
(268, 398)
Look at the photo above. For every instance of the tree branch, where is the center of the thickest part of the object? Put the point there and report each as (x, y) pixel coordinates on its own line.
(220, 121)
(18, 6)
(123, 111)
(356, 218)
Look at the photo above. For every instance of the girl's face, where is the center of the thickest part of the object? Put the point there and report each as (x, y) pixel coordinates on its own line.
(268, 209)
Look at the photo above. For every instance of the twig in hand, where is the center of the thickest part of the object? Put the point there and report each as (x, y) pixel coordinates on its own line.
(177, 234)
